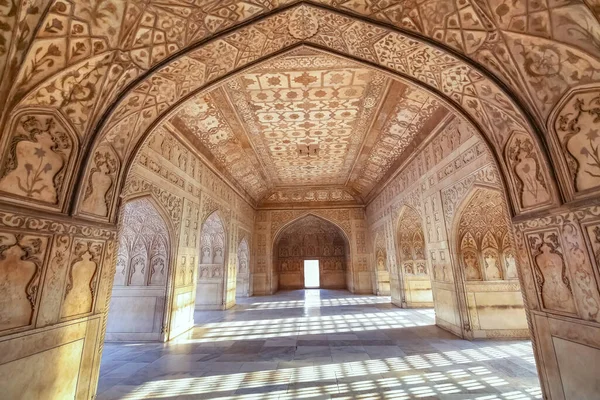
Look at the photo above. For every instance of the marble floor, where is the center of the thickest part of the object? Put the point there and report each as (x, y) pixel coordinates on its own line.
(318, 344)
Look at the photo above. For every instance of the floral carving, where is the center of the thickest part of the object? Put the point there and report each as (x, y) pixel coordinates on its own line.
(530, 181)
(143, 254)
(577, 129)
(173, 204)
(411, 242)
(37, 159)
(304, 23)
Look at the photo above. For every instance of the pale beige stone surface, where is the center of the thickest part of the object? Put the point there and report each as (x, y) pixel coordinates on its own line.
(482, 115)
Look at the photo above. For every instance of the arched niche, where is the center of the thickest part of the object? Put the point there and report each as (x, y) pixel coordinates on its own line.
(310, 238)
(382, 270)
(412, 286)
(210, 284)
(483, 237)
(485, 266)
(139, 300)
(242, 288)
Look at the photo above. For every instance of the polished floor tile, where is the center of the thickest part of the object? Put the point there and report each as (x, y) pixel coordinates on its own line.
(318, 344)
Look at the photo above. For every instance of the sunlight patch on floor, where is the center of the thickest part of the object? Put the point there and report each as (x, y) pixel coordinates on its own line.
(353, 379)
(271, 328)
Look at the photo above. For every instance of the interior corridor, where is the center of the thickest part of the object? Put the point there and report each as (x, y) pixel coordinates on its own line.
(318, 344)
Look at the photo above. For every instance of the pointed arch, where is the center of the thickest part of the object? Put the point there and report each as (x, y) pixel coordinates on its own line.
(211, 283)
(144, 259)
(314, 214)
(243, 286)
(411, 284)
(482, 251)
(497, 104)
(158, 206)
(310, 236)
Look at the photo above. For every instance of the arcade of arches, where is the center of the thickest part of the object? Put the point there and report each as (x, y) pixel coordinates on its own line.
(161, 158)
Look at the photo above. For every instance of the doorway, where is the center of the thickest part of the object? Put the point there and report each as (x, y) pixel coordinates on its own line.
(311, 274)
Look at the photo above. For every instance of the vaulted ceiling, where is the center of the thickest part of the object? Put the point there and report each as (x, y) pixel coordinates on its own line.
(363, 123)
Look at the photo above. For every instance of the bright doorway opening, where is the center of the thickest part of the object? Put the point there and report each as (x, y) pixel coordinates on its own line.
(311, 274)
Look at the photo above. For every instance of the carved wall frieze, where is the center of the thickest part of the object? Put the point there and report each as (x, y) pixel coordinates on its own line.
(54, 226)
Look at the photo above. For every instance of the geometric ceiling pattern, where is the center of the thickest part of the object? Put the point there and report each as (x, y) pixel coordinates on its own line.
(308, 119)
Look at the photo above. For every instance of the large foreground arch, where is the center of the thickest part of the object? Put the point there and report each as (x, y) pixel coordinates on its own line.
(470, 91)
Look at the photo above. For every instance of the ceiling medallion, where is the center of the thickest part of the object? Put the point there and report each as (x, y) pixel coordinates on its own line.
(304, 24)
(308, 150)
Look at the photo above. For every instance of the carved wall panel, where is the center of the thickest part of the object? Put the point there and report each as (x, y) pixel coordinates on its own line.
(22, 259)
(210, 285)
(413, 271)
(411, 243)
(529, 179)
(243, 258)
(38, 159)
(82, 278)
(381, 266)
(243, 271)
(484, 252)
(561, 250)
(551, 274)
(577, 137)
(97, 197)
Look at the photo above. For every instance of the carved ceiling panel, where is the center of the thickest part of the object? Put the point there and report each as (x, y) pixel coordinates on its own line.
(254, 126)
